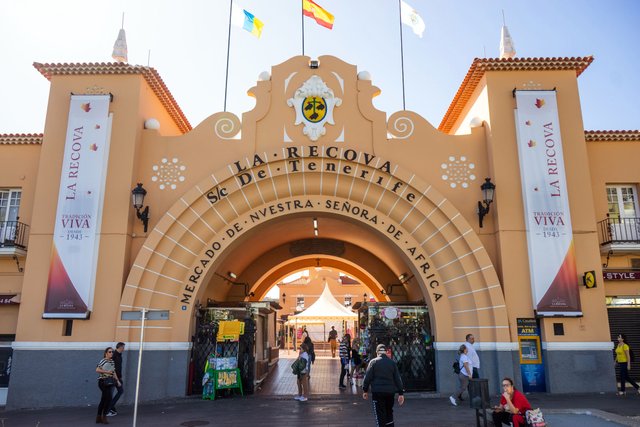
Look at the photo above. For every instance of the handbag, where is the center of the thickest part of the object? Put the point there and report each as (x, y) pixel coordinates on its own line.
(534, 418)
(109, 381)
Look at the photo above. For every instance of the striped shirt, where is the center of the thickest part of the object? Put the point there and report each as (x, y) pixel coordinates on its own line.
(106, 365)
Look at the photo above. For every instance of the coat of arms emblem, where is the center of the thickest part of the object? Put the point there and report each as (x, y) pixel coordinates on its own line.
(314, 103)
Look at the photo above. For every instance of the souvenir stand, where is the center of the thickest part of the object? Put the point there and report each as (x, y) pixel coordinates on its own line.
(221, 370)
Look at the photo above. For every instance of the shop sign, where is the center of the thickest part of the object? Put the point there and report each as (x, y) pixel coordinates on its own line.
(622, 275)
(7, 299)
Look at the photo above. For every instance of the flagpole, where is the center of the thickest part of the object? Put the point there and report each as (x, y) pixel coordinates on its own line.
(226, 76)
(302, 15)
(401, 52)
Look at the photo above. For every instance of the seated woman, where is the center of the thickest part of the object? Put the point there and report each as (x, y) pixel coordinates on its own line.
(513, 406)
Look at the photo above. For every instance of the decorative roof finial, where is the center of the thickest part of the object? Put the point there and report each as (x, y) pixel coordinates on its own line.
(507, 49)
(120, 46)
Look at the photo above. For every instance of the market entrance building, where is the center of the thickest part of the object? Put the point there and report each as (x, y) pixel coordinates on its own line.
(313, 176)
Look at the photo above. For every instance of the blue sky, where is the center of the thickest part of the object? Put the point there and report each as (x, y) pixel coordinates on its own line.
(188, 44)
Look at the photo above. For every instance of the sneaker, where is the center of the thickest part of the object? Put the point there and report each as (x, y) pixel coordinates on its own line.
(302, 399)
(342, 386)
(112, 414)
(297, 397)
(453, 401)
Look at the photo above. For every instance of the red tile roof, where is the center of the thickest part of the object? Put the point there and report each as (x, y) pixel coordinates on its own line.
(482, 65)
(21, 138)
(611, 135)
(150, 75)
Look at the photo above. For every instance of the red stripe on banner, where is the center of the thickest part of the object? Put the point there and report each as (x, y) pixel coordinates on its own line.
(563, 294)
(62, 296)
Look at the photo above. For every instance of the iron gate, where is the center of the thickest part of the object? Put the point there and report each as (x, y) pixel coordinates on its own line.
(204, 344)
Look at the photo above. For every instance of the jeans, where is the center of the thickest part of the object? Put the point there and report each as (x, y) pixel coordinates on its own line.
(120, 390)
(344, 368)
(624, 377)
(105, 398)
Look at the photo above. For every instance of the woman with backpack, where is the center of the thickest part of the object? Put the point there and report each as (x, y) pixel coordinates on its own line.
(623, 360)
(310, 350)
(301, 368)
(464, 375)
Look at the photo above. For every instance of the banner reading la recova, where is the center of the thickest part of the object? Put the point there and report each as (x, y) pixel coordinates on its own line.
(76, 234)
(552, 260)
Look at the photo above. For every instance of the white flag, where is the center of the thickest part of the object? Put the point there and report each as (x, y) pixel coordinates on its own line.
(410, 17)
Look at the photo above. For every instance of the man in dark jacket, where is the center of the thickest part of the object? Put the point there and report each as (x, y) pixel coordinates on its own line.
(384, 378)
(117, 360)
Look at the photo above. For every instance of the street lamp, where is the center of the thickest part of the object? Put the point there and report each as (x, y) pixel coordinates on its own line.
(137, 198)
(488, 190)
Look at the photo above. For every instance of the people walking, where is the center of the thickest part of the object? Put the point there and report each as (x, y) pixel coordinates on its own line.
(473, 355)
(383, 377)
(303, 375)
(513, 406)
(463, 376)
(107, 379)
(623, 360)
(345, 352)
(333, 340)
(117, 360)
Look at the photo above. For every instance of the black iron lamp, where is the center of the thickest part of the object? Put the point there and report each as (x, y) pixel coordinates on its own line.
(364, 297)
(488, 190)
(284, 298)
(137, 197)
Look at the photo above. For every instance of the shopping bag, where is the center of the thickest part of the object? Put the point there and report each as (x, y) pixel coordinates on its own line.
(534, 418)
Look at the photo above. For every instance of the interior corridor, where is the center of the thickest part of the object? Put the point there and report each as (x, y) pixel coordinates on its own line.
(325, 374)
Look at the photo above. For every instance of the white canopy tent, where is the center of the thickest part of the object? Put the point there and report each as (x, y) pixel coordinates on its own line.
(325, 311)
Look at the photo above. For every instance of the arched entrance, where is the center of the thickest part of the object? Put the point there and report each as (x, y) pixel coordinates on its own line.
(228, 210)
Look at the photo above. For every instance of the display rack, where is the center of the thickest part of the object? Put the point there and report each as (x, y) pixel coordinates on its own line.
(221, 369)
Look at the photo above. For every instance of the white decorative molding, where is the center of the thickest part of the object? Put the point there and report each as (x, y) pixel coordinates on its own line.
(313, 103)
(168, 173)
(340, 137)
(66, 346)
(575, 346)
(403, 127)
(458, 172)
(286, 136)
(340, 80)
(225, 128)
(482, 346)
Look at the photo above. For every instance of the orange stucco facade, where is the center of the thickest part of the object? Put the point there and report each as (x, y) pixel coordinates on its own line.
(241, 194)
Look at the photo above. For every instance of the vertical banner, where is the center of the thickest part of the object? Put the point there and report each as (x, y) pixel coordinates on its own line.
(554, 279)
(74, 255)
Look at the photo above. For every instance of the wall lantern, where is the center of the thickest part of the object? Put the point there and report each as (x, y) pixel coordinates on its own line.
(488, 190)
(284, 298)
(137, 195)
(365, 297)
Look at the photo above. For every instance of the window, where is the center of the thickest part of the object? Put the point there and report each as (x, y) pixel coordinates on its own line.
(347, 300)
(299, 303)
(9, 207)
(622, 201)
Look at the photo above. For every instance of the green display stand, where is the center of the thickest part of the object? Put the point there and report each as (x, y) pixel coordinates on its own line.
(226, 379)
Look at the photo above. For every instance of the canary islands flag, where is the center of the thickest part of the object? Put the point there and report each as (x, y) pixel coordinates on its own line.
(312, 10)
(247, 21)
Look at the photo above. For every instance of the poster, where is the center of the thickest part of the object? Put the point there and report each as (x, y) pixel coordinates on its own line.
(552, 262)
(74, 254)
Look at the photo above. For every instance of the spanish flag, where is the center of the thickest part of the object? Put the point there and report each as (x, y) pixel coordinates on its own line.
(247, 21)
(312, 10)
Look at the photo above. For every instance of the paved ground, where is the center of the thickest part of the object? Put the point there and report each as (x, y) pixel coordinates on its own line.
(273, 406)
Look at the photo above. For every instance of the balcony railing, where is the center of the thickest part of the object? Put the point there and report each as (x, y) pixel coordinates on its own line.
(619, 230)
(14, 234)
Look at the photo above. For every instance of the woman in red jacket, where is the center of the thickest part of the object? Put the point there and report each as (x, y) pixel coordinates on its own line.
(513, 406)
